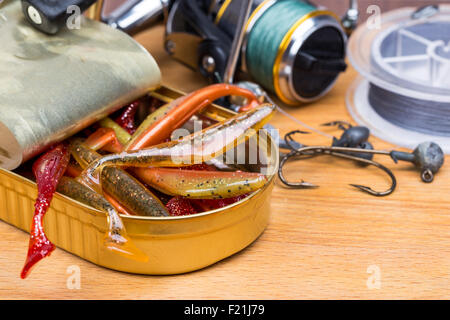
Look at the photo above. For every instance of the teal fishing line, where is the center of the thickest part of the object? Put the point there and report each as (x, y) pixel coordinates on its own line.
(267, 34)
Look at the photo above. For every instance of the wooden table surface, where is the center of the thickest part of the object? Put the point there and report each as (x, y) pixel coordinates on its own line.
(328, 243)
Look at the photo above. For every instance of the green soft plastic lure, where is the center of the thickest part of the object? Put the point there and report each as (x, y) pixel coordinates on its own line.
(116, 239)
(120, 184)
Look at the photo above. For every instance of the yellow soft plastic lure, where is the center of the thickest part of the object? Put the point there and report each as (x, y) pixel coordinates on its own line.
(196, 184)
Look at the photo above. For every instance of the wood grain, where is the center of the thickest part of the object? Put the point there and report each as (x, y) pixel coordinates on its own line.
(320, 243)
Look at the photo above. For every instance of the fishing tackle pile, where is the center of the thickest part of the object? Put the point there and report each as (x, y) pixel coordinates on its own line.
(353, 144)
(427, 157)
(123, 165)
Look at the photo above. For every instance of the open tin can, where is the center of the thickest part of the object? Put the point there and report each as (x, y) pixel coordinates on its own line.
(173, 244)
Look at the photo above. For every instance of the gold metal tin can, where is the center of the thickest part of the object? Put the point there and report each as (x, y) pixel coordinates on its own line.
(173, 244)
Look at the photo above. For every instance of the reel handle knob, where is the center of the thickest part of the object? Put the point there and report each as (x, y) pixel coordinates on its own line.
(49, 16)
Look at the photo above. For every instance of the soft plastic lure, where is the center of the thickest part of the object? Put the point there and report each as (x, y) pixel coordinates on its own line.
(106, 139)
(48, 170)
(155, 116)
(126, 119)
(195, 184)
(116, 238)
(212, 204)
(183, 109)
(122, 135)
(120, 185)
(74, 170)
(179, 206)
(196, 148)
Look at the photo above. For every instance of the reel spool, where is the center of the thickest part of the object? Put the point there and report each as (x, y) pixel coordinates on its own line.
(403, 94)
(290, 47)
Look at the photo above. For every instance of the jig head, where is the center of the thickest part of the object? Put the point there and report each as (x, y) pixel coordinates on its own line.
(353, 137)
(428, 157)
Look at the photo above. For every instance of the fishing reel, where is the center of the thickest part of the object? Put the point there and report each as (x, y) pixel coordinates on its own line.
(290, 47)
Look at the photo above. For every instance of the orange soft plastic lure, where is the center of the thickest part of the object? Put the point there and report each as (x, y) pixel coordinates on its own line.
(182, 109)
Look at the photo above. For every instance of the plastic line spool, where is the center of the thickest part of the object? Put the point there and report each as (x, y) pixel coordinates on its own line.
(403, 95)
(298, 57)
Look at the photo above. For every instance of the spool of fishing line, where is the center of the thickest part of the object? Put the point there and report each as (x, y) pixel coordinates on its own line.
(290, 47)
(403, 94)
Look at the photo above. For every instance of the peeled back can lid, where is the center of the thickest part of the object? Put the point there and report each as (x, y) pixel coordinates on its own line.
(58, 85)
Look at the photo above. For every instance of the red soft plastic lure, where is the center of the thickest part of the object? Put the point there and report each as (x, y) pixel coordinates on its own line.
(126, 119)
(48, 170)
(211, 204)
(179, 206)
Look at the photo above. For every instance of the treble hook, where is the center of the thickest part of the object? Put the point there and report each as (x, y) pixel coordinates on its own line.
(338, 152)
